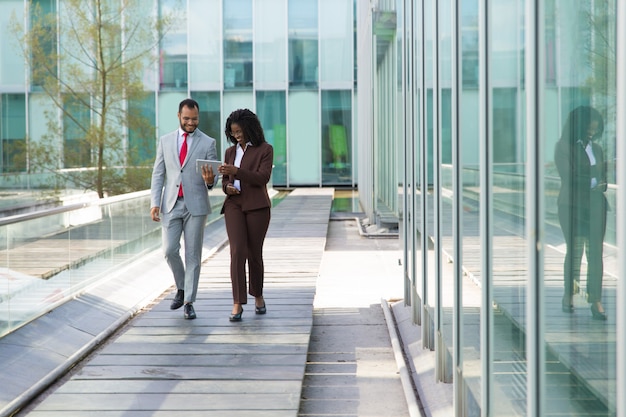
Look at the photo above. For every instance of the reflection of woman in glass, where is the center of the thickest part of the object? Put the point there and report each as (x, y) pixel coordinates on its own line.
(582, 205)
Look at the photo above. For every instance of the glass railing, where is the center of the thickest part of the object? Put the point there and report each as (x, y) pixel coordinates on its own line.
(50, 256)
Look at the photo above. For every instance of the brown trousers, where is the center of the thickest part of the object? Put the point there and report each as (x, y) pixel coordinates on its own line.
(246, 234)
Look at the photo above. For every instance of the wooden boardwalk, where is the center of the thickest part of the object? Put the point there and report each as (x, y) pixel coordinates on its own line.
(161, 364)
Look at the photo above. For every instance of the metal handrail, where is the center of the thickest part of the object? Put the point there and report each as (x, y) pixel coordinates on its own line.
(71, 207)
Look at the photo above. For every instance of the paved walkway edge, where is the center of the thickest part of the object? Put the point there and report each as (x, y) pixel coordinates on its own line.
(60, 370)
(405, 377)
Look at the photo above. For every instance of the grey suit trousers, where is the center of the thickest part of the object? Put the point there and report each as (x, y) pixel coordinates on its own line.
(179, 222)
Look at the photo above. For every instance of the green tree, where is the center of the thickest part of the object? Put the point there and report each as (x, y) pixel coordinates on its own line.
(89, 61)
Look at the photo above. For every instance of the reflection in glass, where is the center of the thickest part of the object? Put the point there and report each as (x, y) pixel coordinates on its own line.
(272, 109)
(336, 137)
(580, 270)
(336, 32)
(303, 43)
(13, 71)
(13, 132)
(508, 234)
(173, 51)
(582, 205)
(468, 145)
(237, 44)
(76, 148)
(141, 121)
(44, 12)
(270, 43)
(469, 43)
(205, 49)
(210, 122)
(446, 219)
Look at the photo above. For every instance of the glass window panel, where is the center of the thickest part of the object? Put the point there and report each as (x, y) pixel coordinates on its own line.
(210, 117)
(173, 52)
(270, 45)
(469, 43)
(39, 106)
(354, 44)
(447, 191)
(469, 146)
(304, 135)
(13, 132)
(336, 137)
(141, 121)
(44, 12)
(416, 164)
(205, 29)
(508, 252)
(76, 147)
(12, 66)
(580, 274)
(303, 43)
(508, 149)
(508, 35)
(272, 109)
(238, 44)
(428, 265)
(138, 42)
(336, 61)
(167, 110)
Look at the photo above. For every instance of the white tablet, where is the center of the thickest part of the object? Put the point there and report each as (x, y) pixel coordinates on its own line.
(214, 164)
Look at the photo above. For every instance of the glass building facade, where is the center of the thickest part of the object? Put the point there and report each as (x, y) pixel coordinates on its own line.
(506, 181)
(290, 61)
(487, 132)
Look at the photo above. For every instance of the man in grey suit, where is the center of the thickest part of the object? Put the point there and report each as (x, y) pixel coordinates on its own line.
(180, 200)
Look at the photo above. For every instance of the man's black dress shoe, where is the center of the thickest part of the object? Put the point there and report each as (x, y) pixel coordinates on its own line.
(260, 310)
(190, 313)
(177, 302)
(236, 317)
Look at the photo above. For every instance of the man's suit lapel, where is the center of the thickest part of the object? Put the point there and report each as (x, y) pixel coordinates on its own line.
(192, 148)
(173, 146)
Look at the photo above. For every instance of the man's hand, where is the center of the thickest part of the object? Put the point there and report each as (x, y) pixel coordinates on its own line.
(207, 174)
(154, 213)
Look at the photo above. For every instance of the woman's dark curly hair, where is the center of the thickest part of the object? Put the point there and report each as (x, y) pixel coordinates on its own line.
(578, 122)
(249, 124)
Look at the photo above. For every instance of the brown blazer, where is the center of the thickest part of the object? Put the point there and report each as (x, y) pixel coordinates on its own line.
(254, 174)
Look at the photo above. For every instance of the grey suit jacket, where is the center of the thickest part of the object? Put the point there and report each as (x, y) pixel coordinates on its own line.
(168, 173)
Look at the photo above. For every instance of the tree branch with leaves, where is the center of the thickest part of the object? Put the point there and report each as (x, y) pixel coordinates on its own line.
(91, 59)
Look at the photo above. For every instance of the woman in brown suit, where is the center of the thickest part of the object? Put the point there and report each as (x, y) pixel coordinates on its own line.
(246, 171)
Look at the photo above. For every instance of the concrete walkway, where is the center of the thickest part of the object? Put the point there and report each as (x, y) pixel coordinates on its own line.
(351, 368)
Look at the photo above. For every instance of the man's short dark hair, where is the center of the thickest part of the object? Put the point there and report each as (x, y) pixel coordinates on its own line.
(188, 102)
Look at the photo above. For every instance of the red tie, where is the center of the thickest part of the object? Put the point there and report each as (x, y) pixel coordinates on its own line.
(183, 154)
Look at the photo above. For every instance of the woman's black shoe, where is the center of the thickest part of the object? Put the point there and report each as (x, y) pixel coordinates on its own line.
(236, 317)
(596, 314)
(260, 310)
(567, 307)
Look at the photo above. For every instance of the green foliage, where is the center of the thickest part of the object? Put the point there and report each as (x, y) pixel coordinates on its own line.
(88, 59)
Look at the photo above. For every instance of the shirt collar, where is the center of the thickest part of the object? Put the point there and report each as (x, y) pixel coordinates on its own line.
(181, 131)
(247, 144)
